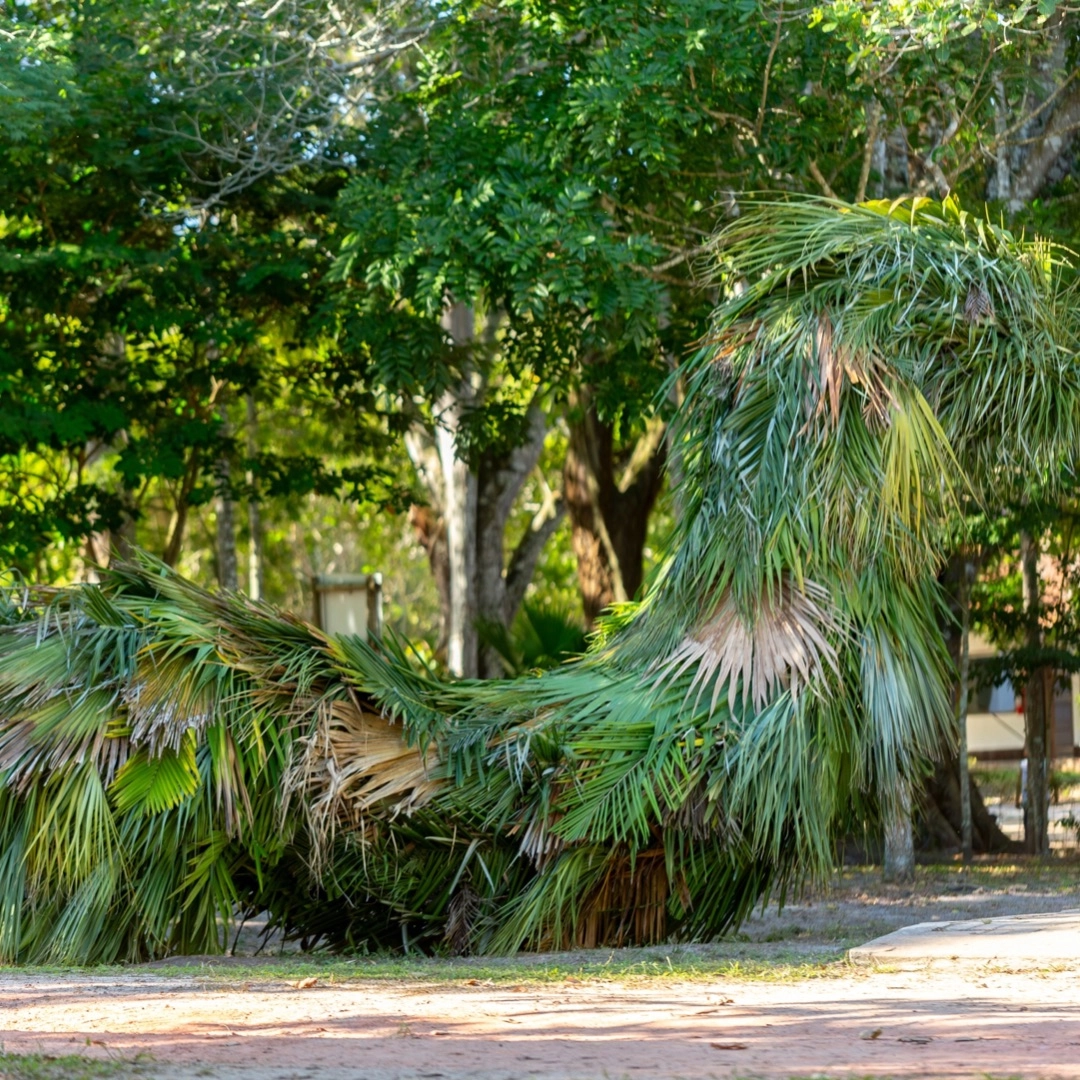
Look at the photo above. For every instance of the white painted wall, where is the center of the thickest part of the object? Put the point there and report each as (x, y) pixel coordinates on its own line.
(996, 731)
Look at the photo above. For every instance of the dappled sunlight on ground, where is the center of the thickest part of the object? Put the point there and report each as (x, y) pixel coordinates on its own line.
(881, 1023)
(773, 1000)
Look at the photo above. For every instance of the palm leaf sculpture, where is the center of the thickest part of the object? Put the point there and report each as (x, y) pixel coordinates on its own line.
(170, 756)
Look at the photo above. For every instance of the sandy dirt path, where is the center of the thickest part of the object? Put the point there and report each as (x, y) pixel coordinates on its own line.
(913, 1023)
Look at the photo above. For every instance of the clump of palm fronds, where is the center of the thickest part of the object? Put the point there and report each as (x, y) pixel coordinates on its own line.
(168, 756)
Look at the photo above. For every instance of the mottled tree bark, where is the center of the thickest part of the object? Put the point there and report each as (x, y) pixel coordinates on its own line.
(1036, 709)
(1055, 140)
(228, 569)
(178, 524)
(463, 530)
(256, 564)
(899, 861)
(459, 503)
(500, 586)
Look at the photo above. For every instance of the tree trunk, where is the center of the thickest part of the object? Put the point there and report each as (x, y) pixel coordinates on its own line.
(123, 540)
(174, 542)
(464, 529)
(609, 507)
(1036, 710)
(458, 500)
(1051, 145)
(899, 862)
(499, 481)
(109, 545)
(256, 573)
(429, 527)
(227, 564)
(941, 815)
(1002, 180)
(459, 511)
(966, 575)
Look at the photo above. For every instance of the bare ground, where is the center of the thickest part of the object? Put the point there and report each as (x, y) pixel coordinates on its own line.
(773, 1001)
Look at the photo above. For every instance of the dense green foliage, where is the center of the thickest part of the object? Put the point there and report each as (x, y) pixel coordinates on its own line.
(132, 327)
(560, 166)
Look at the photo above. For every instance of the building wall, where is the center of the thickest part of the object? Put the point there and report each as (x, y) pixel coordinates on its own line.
(1000, 734)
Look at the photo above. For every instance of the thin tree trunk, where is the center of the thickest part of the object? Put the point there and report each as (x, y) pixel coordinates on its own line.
(459, 508)
(256, 580)
(178, 525)
(123, 540)
(1002, 174)
(1036, 835)
(525, 556)
(463, 530)
(899, 861)
(227, 564)
(96, 554)
(966, 847)
(256, 573)
(498, 584)
(459, 502)
(429, 527)
(500, 479)
(873, 119)
(429, 523)
(881, 161)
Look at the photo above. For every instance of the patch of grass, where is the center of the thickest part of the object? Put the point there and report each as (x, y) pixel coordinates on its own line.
(996, 782)
(1066, 785)
(743, 960)
(809, 945)
(1002, 782)
(994, 874)
(736, 960)
(68, 1067)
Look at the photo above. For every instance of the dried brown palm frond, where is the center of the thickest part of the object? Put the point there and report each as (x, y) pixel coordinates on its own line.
(726, 344)
(628, 904)
(111, 750)
(539, 842)
(978, 307)
(838, 364)
(462, 914)
(787, 646)
(158, 712)
(357, 761)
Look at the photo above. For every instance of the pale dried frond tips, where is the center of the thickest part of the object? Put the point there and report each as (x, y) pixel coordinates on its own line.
(787, 647)
(357, 761)
(539, 842)
(837, 363)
